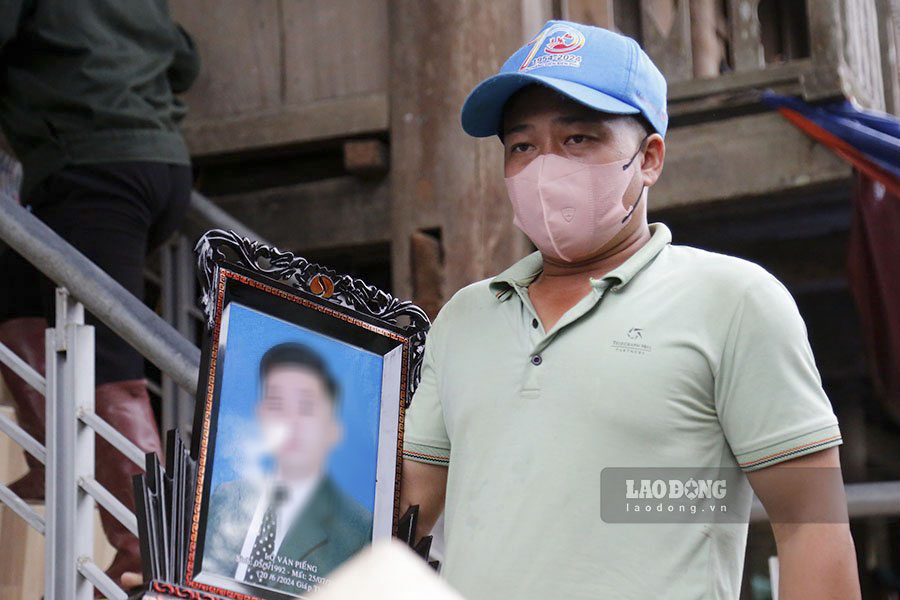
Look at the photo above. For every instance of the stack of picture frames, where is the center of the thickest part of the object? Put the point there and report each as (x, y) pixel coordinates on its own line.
(295, 456)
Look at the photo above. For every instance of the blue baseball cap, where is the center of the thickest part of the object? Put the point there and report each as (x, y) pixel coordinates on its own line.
(601, 69)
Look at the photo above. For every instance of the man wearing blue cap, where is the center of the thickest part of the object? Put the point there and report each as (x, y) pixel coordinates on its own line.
(610, 348)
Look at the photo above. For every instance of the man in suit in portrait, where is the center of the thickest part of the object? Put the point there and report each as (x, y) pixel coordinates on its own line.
(292, 529)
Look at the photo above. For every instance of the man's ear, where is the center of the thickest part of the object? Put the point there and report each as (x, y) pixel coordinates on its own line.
(654, 157)
(337, 431)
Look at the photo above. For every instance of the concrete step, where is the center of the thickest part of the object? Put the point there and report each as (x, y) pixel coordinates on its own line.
(22, 548)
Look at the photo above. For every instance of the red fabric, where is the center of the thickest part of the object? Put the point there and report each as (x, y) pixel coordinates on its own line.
(873, 267)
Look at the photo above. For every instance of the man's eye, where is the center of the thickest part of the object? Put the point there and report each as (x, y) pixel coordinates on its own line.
(519, 148)
(577, 139)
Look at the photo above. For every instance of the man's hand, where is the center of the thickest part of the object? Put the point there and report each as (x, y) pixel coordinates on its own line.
(425, 485)
(808, 512)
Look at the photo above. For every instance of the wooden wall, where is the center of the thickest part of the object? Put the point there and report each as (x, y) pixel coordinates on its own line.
(286, 83)
(277, 72)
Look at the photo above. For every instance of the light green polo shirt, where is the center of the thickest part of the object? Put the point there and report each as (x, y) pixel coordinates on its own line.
(677, 358)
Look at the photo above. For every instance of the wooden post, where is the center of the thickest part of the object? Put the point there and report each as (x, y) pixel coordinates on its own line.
(889, 36)
(442, 179)
(707, 45)
(746, 47)
(591, 12)
(666, 26)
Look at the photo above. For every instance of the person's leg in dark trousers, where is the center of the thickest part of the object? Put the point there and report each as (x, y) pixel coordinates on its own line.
(109, 212)
(22, 326)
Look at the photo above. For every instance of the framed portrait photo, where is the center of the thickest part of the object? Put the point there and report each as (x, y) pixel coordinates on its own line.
(297, 435)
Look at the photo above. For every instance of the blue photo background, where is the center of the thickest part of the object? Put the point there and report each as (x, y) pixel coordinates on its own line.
(358, 372)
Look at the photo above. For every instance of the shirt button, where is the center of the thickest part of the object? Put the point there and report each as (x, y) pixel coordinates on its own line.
(536, 359)
(534, 323)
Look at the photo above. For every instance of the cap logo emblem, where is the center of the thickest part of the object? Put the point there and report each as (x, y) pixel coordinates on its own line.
(558, 43)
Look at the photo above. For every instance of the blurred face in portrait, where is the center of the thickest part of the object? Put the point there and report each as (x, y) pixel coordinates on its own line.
(297, 416)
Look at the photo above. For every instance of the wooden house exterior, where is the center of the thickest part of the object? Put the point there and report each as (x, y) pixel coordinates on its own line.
(332, 127)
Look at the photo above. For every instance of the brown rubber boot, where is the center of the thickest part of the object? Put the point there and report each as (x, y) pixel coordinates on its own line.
(126, 406)
(25, 337)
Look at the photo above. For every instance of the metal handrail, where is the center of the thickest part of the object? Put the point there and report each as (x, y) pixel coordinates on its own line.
(23, 439)
(104, 297)
(869, 499)
(100, 580)
(205, 214)
(21, 508)
(127, 316)
(23, 370)
(109, 433)
(112, 504)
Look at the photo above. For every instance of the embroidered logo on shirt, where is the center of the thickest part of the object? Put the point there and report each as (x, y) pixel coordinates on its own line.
(635, 345)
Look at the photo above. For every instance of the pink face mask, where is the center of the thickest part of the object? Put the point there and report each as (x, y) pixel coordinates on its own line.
(570, 209)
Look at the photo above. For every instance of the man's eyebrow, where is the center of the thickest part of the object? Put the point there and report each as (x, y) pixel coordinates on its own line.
(517, 128)
(563, 120)
(580, 118)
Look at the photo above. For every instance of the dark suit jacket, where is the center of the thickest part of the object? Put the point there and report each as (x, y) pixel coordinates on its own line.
(329, 530)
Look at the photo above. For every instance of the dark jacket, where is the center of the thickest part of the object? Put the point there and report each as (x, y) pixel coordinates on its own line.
(331, 528)
(89, 81)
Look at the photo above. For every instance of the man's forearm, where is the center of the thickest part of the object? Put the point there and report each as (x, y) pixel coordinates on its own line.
(423, 485)
(816, 560)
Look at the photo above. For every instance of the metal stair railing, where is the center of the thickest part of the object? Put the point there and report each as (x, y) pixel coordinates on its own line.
(127, 316)
(71, 491)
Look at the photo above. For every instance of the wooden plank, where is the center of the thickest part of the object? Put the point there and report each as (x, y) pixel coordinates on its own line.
(843, 38)
(889, 34)
(427, 266)
(334, 49)
(745, 40)
(729, 82)
(741, 157)
(366, 158)
(590, 12)
(440, 177)
(240, 54)
(290, 125)
(534, 14)
(862, 53)
(327, 214)
(723, 96)
(627, 18)
(666, 27)
(707, 37)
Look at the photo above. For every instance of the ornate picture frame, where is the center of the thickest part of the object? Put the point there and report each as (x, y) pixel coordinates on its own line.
(265, 311)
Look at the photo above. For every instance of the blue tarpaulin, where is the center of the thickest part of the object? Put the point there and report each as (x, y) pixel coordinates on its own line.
(874, 135)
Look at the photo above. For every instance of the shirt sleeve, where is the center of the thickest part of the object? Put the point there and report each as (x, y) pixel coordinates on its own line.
(185, 64)
(425, 435)
(769, 395)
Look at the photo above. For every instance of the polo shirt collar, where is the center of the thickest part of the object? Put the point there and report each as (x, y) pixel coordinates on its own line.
(523, 272)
